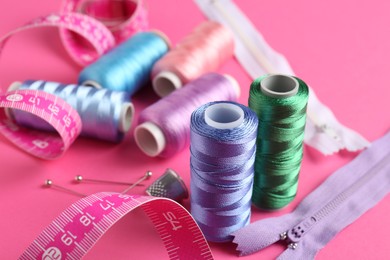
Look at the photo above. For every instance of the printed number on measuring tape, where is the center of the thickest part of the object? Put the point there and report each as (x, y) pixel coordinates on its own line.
(72, 234)
(50, 108)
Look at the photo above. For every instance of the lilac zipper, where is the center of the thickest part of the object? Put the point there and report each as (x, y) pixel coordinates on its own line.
(294, 235)
(336, 203)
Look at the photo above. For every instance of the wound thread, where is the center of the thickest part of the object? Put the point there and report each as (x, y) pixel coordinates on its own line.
(280, 103)
(204, 50)
(128, 66)
(164, 127)
(223, 149)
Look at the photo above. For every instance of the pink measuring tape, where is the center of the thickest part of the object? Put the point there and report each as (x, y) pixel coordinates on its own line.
(50, 108)
(73, 233)
(79, 32)
(114, 20)
(86, 38)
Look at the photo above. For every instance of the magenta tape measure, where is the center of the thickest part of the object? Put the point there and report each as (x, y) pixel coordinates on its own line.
(75, 231)
(53, 110)
(115, 20)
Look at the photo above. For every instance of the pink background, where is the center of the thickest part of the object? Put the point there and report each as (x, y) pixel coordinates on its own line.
(341, 48)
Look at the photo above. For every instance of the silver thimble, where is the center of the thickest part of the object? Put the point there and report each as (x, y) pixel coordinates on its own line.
(169, 185)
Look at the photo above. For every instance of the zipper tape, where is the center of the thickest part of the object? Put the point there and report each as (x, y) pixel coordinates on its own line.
(335, 204)
(75, 231)
(323, 131)
(50, 108)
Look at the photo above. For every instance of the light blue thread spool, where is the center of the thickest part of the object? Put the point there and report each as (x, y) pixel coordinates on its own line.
(105, 114)
(128, 66)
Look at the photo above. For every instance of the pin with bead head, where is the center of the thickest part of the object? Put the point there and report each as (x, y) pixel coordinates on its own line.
(49, 183)
(147, 175)
(169, 185)
(80, 178)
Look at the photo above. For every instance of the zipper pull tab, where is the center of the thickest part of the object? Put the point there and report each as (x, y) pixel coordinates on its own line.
(294, 235)
(283, 236)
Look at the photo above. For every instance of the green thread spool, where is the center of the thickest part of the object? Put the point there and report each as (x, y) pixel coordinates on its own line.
(280, 103)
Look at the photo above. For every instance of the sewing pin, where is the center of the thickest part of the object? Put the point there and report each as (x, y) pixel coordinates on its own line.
(79, 178)
(49, 183)
(147, 175)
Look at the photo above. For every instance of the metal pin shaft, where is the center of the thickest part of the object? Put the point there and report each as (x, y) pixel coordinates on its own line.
(147, 175)
(49, 183)
(79, 178)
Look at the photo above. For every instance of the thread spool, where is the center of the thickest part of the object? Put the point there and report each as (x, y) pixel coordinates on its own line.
(164, 127)
(280, 103)
(223, 146)
(128, 66)
(202, 51)
(105, 114)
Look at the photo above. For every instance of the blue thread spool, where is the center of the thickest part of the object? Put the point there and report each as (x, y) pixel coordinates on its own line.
(128, 66)
(105, 114)
(223, 149)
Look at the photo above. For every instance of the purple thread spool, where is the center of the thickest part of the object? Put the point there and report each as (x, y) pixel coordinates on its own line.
(169, 185)
(164, 127)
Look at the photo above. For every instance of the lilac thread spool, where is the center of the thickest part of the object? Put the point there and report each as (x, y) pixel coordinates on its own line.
(164, 127)
(169, 185)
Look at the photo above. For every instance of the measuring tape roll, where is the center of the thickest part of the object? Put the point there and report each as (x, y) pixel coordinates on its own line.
(121, 18)
(94, 32)
(53, 110)
(75, 231)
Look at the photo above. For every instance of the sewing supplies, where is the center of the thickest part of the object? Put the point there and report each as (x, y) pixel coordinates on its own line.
(280, 103)
(164, 127)
(204, 50)
(80, 179)
(147, 176)
(223, 148)
(53, 110)
(128, 66)
(75, 231)
(120, 18)
(336, 203)
(169, 185)
(49, 183)
(323, 131)
(105, 114)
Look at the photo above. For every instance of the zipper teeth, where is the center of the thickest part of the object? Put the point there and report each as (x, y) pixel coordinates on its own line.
(336, 202)
(297, 232)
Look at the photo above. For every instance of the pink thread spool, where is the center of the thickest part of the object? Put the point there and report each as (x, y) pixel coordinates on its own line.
(204, 50)
(164, 127)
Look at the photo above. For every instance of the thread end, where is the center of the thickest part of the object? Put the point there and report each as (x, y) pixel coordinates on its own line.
(279, 86)
(224, 115)
(126, 117)
(164, 37)
(234, 83)
(165, 83)
(14, 86)
(91, 83)
(150, 138)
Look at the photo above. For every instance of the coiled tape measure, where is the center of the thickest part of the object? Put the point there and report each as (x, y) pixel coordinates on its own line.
(74, 232)
(53, 110)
